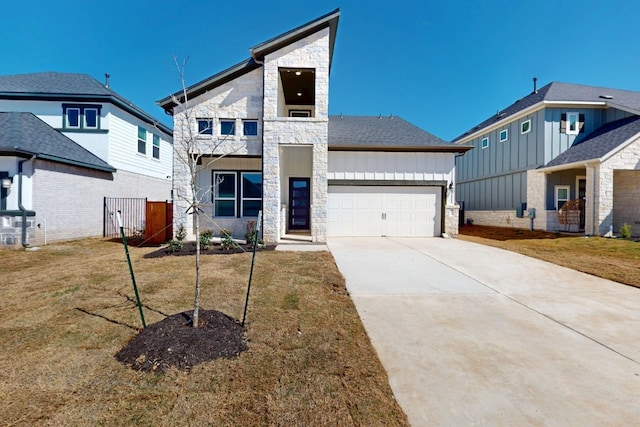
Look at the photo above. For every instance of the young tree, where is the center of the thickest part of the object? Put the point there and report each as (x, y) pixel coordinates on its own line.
(196, 148)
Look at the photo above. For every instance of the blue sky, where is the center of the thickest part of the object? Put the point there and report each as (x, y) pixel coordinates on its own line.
(444, 66)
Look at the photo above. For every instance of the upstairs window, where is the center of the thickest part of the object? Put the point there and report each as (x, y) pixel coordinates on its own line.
(227, 127)
(250, 127)
(82, 117)
(525, 127)
(297, 91)
(572, 123)
(504, 135)
(142, 140)
(485, 142)
(205, 127)
(156, 147)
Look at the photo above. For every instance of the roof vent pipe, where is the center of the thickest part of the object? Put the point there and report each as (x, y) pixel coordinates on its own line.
(106, 79)
(535, 85)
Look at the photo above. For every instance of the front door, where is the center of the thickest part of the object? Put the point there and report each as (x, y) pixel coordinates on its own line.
(299, 203)
(582, 196)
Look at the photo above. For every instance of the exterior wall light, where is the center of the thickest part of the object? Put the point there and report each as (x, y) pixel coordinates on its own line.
(6, 182)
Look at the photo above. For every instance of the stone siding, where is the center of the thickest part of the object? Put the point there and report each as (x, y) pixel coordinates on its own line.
(626, 200)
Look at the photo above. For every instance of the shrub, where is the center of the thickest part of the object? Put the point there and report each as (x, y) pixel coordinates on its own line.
(175, 245)
(625, 231)
(181, 234)
(205, 239)
(227, 240)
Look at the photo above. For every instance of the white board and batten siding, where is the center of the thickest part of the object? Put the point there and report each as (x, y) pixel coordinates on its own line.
(373, 208)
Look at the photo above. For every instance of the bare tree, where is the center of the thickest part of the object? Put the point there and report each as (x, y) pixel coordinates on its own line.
(195, 149)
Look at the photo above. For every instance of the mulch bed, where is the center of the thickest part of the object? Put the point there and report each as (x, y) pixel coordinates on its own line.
(214, 249)
(173, 342)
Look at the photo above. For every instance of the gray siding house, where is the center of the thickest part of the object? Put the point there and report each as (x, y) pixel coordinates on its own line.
(561, 143)
(268, 143)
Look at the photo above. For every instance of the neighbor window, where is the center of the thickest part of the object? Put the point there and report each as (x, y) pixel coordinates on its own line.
(227, 127)
(142, 140)
(224, 194)
(562, 195)
(250, 127)
(485, 142)
(525, 127)
(572, 123)
(205, 126)
(81, 116)
(504, 135)
(251, 193)
(156, 147)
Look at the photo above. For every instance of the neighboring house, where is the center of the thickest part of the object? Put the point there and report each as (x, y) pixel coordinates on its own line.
(311, 174)
(79, 143)
(561, 143)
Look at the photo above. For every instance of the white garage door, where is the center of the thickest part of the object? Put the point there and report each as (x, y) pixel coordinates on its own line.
(383, 211)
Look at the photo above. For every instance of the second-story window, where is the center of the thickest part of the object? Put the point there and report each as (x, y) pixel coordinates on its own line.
(250, 127)
(81, 117)
(205, 127)
(156, 146)
(572, 123)
(142, 140)
(227, 127)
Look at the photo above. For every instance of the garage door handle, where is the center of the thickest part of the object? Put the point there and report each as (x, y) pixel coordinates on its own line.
(384, 216)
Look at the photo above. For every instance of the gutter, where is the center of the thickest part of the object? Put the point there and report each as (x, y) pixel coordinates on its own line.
(20, 205)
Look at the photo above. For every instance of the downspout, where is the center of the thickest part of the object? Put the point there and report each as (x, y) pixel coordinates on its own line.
(20, 206)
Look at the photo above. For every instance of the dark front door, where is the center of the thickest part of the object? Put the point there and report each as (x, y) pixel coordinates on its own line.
(582, 195)
(299, 203)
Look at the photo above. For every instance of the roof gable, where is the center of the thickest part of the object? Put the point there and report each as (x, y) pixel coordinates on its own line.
(383, 134)
(556, 93)
(258, 53)
(70, 86)
(24, 134)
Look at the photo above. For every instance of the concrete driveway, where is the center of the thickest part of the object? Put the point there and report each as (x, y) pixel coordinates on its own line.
(472, 335)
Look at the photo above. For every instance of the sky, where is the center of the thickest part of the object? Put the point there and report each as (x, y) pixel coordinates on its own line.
(444, 66)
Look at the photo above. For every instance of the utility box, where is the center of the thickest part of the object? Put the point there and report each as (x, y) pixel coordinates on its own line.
(520, 210)
(532, 213)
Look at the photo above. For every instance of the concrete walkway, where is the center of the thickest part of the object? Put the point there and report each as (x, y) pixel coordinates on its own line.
(472, 335)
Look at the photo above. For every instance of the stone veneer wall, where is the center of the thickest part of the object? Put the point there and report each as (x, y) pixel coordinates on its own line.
(451, 219)
(626, 200)
(310, 52)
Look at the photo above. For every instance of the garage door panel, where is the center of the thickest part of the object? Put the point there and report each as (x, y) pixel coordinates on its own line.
(408, 211)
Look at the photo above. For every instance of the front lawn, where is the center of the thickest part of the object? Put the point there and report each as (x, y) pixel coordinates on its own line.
(67, 309)
(613, 259)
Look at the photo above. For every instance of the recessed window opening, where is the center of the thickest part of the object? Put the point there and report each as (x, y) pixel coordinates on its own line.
(297, 89)
(205, 126)
(227, 127)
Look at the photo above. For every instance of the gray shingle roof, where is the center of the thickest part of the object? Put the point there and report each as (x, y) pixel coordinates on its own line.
(383, 132)
(49, 85)
(26, 134)
(600, 142)
(564, 92)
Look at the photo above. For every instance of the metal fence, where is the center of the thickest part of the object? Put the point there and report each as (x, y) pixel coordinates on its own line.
(133, 212)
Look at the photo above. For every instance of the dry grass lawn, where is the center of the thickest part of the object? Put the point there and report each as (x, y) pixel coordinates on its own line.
(613, 259)
(67, 309)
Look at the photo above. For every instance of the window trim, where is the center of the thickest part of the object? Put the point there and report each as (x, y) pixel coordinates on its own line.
(297, 113)
(568, 129)
(206, 131)
(215, 192)
(557, 199)
(245, 121)
(68, 125)
(528, 123)
(156, 147)
(243, 198)
(506, 135)
(484, 142)
(233, 127)
(82, 120)
(144, 141)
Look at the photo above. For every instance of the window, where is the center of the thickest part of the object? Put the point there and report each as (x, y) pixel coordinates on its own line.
(224, 194)
(251, 193)
(227, 127)
(81, 117)
(504, 135)
(562, 195)
(485, 142)
(250, 127)
(525, 127)
(572, 123)
(296, 91)
(205, 126)
(299, 113)
(142, 140)
(156, 147)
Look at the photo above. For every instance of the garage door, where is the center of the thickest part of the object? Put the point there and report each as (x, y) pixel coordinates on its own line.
(383, 211)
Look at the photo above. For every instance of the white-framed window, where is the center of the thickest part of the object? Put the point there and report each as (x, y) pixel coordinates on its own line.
(82, 117)
(299, 113)
(227, 127)
(573, 123)
(142, 140)
(504, 135)
(156, 146)
(250, 127)
(251, 200)
(525, 127)
(224, 194)
(561, 195)
(205, 126)
(485, 142)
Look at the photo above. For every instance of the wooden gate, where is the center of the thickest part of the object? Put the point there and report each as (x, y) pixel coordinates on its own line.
(159, 226)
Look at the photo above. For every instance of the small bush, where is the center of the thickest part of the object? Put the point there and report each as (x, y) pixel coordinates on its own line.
(205, 239)
(175, 245)
(227, 240)
(181, 234)
(625, 231)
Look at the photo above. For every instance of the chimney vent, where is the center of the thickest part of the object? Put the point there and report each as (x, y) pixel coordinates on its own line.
(106, 79)
(535, 85)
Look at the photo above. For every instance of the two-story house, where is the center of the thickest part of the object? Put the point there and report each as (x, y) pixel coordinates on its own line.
(68, 141)
(273, 147)
(561, 143)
